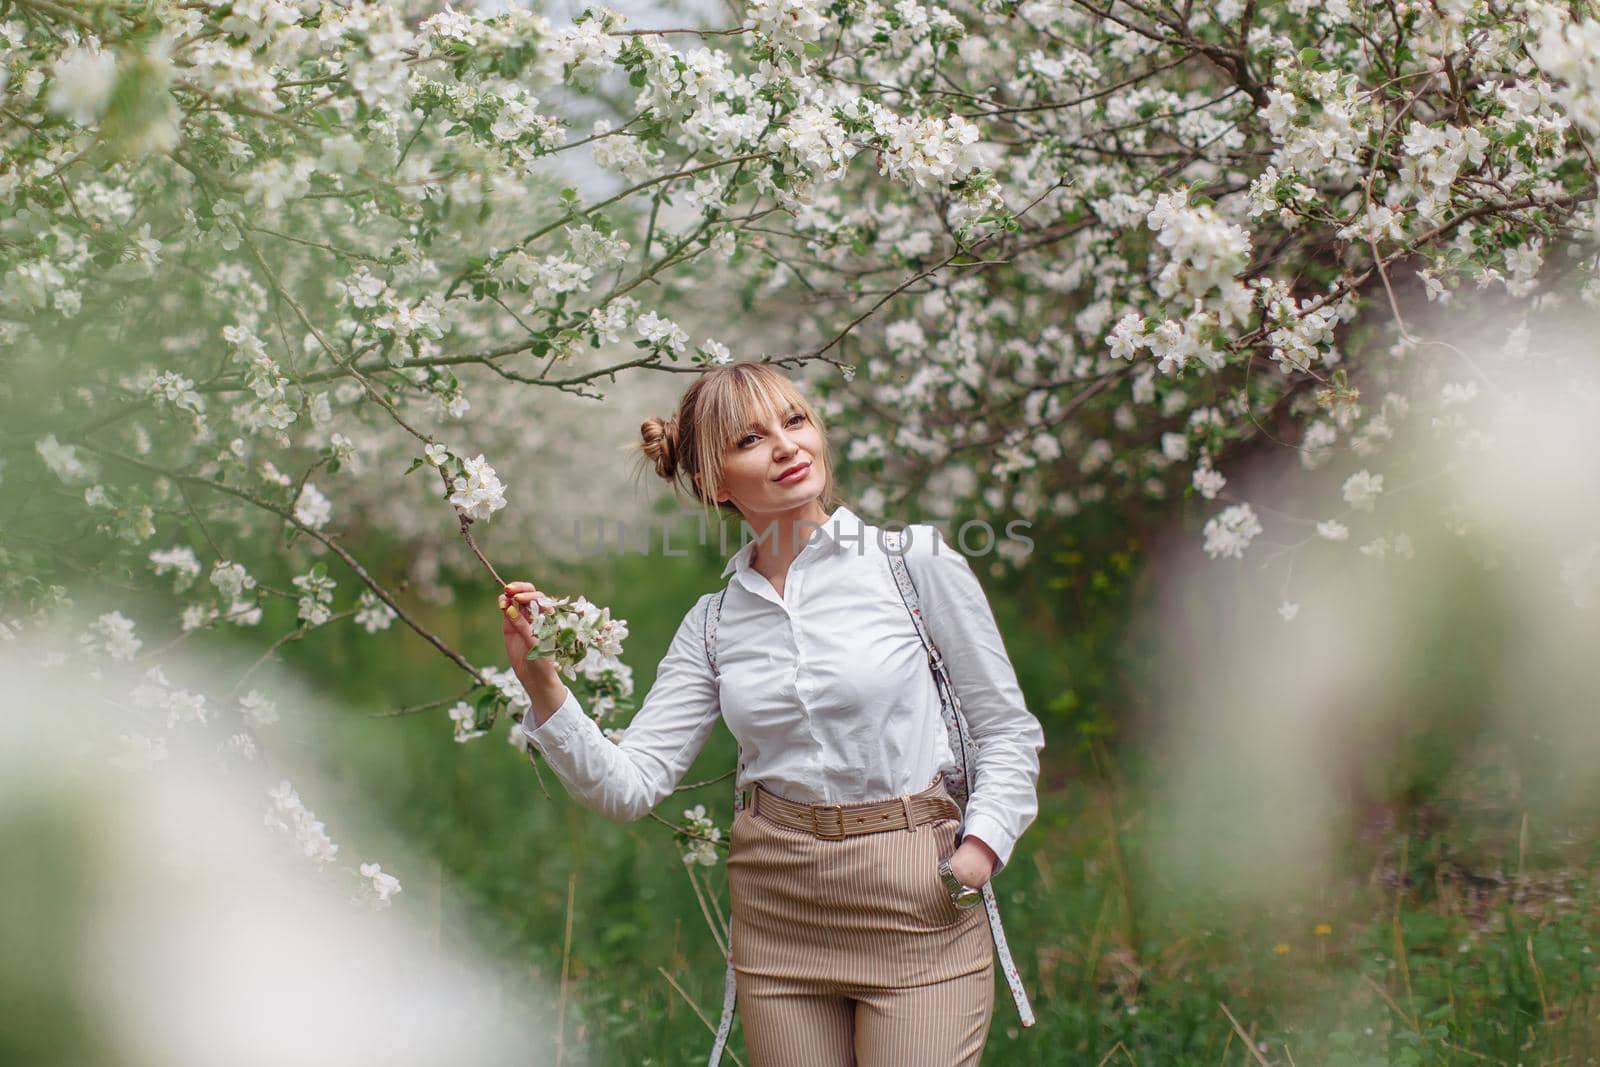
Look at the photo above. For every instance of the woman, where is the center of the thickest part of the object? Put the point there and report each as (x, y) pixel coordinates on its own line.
(848, 946)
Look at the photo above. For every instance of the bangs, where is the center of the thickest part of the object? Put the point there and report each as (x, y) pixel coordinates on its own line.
(746, 402)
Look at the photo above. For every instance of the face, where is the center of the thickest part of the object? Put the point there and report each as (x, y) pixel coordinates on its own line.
(755, 465)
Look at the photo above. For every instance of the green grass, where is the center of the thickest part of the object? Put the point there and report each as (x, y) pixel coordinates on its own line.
(1406, 950)
(1123, 964)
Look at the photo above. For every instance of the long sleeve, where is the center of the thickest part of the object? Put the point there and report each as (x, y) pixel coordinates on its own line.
(627, 779)
(1007, 736)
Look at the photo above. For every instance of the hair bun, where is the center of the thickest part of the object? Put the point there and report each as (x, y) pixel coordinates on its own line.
(660, 438)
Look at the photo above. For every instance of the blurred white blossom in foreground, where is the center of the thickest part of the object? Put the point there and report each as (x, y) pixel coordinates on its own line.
(1314, 700)
(169, 899)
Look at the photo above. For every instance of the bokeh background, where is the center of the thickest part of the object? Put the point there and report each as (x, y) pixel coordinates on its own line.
(1323, 794)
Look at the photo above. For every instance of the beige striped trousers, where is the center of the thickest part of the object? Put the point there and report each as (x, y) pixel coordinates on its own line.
(849, 951)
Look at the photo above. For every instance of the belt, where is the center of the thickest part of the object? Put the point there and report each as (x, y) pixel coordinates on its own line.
(836, 821)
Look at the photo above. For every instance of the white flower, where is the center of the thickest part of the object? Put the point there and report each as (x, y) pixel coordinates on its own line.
(1230, 533)
(437, 454)
(321, 415)
(1127, 336)
(701, 846)
(363, 289)
(658, 330)
(385, 885)
(342, 447)
(715, 351)
(312, 508)
(195, 616)
(116, 636)
(291, 816)
(257, 709)
(1316, 444)
(81, 84)
(482, 494)
(271, 473)
(373, 613)
(160, 695)
(1333, 530)
(1207, 481)
(789, 22)
(316, 596)
(243, 613)
(1288, 609)
(929, 150)
(465, 717)
(63, 460)
(241, 743)
(181, 561)
(1361, 489)
(178, 391)
(231, 578)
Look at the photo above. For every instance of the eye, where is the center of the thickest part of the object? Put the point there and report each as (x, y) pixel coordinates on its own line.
(741, 442)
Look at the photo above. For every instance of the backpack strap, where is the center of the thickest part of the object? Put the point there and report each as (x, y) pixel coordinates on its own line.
(729, 987)
(713, 617)
(956, 781)
(960, 743)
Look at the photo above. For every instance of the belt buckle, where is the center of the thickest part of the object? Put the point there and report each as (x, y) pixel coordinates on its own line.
(836, 810)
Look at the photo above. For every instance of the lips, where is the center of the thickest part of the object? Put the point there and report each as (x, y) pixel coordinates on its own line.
(795, 473)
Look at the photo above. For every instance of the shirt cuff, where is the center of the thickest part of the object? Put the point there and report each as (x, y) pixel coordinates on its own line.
(990, 832)
(554, 731)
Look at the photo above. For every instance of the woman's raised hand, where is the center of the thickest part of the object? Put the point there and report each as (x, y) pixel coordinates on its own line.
(522, 598)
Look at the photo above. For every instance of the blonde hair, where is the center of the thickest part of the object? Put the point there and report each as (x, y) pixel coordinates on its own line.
(717, 409)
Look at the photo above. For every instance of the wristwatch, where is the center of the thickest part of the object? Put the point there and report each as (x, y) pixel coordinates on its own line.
(961, 894)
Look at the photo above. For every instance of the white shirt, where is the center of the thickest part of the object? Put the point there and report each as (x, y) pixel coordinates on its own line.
(827, 689)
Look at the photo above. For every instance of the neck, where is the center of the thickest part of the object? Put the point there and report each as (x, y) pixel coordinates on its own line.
(780, 535)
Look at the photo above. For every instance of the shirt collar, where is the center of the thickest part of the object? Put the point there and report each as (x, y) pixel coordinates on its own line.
(841, 520)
